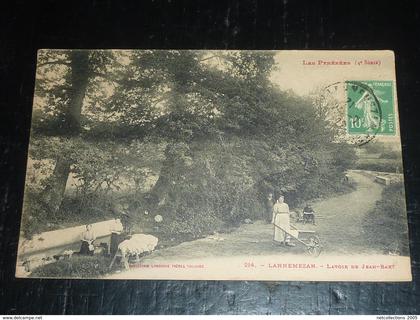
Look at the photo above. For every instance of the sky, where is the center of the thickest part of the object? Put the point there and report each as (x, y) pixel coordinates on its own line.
(292, 74)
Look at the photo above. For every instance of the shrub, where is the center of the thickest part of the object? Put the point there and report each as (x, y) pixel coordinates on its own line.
(75, 267)
(391, 154)
(74, 210)
(383, 165)
(189, 225)
(386, 226)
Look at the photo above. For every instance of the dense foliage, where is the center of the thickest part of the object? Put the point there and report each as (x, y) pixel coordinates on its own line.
(379, 156)
(380, 165)
(386, 227)
(199, 138)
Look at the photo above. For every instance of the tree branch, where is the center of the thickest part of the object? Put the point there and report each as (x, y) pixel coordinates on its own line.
(60, 62)
(106, 77)
(211, 57)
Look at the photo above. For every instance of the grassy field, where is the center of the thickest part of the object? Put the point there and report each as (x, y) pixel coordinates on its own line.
(75, 267)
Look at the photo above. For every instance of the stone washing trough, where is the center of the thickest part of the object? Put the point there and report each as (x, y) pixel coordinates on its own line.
(45, 245)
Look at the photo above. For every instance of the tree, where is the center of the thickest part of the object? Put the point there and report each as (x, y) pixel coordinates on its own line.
(65, 81)
(210, 126)
(68, 114)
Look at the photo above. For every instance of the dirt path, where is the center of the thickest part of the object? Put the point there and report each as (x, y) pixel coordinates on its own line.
(339, 226)
(341, 223)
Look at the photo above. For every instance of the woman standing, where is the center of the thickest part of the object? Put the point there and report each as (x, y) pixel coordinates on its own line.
(269, 204)
(116, 236)
(281, 220)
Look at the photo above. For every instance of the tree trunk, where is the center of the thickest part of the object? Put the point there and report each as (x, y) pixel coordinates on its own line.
(159, 192)
(80, 74)
(54, 192)
(173, 169)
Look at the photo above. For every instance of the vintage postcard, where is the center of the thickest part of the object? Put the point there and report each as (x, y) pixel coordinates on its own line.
(215, 164)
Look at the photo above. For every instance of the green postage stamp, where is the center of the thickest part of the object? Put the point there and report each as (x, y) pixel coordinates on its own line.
(370, 107)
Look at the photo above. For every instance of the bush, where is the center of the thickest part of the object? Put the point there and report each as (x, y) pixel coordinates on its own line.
(74, 210)
(391, 154)
(386, 226)
(382, 165)
(189, 226)
(88, 206)
(35, 216)
(75, 267)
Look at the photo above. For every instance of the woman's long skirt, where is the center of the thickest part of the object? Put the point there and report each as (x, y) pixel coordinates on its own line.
(282, 220)
(116, 239)
(84, 249)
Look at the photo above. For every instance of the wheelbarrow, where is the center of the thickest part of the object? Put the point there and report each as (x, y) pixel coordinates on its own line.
(308, 238)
